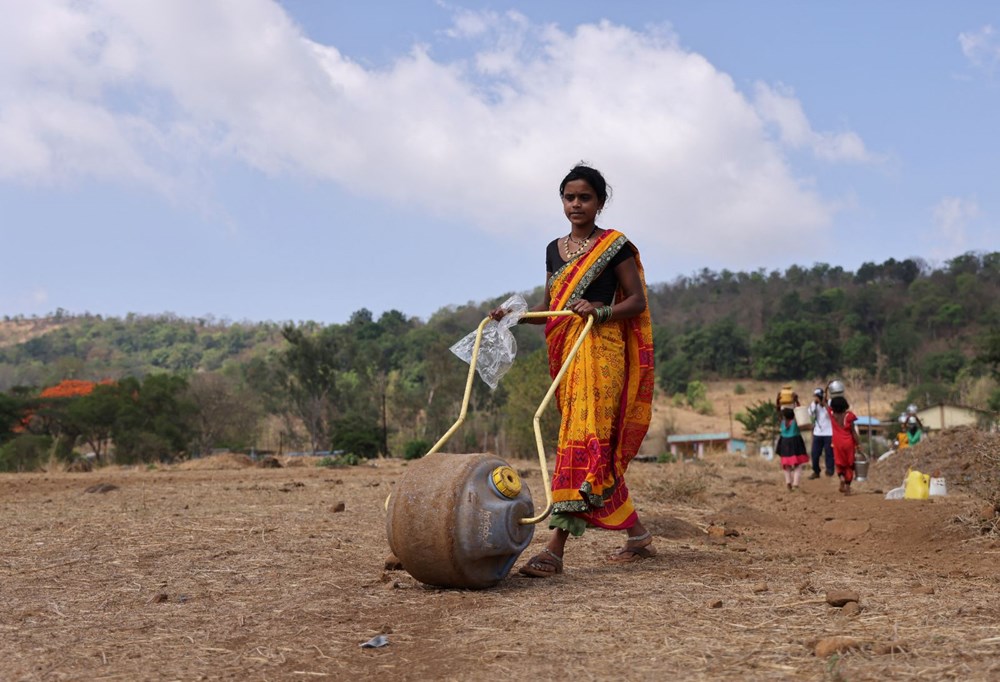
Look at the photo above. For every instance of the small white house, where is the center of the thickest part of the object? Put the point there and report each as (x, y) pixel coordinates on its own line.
(943, 416)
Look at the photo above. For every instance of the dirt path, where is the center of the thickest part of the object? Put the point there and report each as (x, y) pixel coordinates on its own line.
(252, 574)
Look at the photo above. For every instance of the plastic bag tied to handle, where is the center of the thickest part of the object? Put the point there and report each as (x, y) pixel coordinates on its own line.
(498, 347)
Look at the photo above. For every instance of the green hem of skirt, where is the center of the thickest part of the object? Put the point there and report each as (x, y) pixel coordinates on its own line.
(570, 523)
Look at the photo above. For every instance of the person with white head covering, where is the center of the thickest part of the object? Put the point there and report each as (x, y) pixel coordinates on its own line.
(914, 433)
(822, 441)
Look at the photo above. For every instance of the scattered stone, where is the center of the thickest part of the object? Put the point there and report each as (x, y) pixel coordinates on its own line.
(269, 462)
(717, 604)
(890, 648)
(159, 598)
(392, 563)
(835, 645)
(922, 589)
(841, 597)
(716, 531)
(732, 533)
(738, 549)
(759, 587)
(375, 642)
(851, 609)
(101, 488)
(339, 507)
(386, 629)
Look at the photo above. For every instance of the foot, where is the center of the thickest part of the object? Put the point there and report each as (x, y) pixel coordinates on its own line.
(636, 547)
(829, 473)
(813, 476)
(847, 488)
(789, 485)
(545, 564)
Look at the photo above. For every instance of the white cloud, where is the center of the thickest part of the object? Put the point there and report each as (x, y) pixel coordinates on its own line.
(14, 298)
(777, 105)
(951, 217)
(981, 47)
(146, 92)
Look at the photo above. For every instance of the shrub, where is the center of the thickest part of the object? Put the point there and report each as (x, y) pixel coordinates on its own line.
(25, 453)
(739, 389)
(415, 449)
(696, 393)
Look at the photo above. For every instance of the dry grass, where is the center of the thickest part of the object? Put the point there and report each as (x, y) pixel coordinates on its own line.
(247, 573)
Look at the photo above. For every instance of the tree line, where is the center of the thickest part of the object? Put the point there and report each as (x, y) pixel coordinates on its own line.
(389, 385)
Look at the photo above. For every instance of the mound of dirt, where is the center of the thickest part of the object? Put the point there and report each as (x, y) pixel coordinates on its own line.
(967, 458)
(226, 460)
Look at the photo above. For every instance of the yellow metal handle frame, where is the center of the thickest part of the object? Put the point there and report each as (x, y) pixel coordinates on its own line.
(538, 413)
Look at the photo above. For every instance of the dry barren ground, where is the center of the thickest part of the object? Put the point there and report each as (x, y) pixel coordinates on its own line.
(190, 573)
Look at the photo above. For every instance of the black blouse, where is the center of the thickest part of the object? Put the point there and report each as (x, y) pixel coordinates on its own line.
(601, 289)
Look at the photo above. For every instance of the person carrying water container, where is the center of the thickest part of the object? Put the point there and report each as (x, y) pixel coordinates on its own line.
(791, 448)
(914, 433)
(787, 397)
(845, 440)
(912, 416)
(822, 440)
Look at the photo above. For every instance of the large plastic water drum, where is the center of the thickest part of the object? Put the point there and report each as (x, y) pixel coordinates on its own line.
(454, 520)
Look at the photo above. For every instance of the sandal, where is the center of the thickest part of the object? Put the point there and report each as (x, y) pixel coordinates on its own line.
(545, 564)
(626, 554)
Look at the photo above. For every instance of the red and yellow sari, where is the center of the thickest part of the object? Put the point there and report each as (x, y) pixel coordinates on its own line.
(605, 397)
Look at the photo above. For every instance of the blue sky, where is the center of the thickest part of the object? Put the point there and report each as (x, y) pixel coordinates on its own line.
(300, 160)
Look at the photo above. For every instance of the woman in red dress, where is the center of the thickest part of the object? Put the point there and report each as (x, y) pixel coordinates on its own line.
(845, 440)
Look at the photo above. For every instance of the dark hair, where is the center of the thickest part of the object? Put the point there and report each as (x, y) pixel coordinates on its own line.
(839, 404)
(788, 413)
(592, 177)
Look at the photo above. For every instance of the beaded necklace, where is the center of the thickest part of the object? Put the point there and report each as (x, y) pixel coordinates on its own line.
(580, 249)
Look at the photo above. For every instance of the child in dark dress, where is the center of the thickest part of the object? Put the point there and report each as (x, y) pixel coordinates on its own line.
(791, 448)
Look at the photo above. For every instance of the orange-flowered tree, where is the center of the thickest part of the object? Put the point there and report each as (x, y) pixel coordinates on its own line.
(93, 417)
(69, 411)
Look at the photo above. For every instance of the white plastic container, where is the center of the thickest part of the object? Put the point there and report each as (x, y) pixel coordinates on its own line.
(802, 417)
(895, 493)
(938, 488)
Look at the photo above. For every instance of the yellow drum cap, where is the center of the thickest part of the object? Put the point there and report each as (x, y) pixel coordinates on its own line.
(507, 481)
